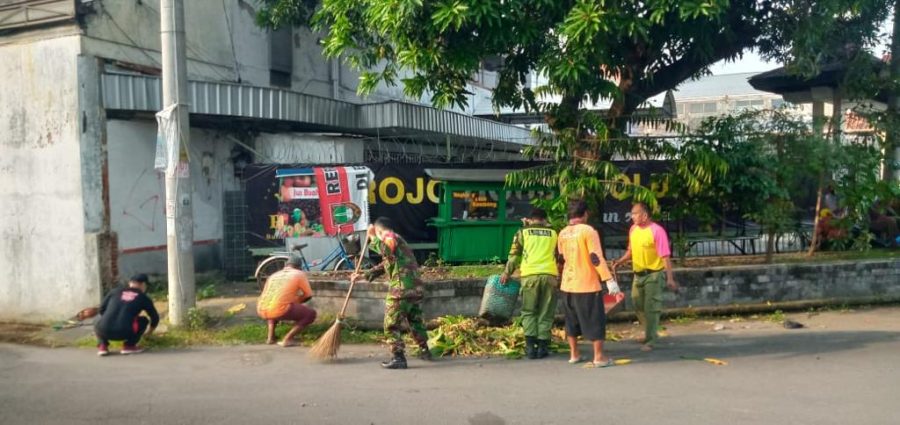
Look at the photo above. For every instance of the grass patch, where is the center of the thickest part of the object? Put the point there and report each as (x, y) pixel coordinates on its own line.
(243, 333)
(687, 317)
(475, 271)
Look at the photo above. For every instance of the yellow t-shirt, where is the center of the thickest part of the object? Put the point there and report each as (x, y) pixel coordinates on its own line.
(282, 289)
(649, 246)
(585, 267)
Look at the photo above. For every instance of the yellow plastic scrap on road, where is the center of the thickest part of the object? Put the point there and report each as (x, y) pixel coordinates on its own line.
(710, 360)
(237, 308)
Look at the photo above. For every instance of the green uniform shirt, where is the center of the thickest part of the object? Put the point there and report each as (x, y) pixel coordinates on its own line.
(533, 251)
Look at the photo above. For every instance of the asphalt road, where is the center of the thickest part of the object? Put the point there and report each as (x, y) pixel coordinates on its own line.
(841, 369)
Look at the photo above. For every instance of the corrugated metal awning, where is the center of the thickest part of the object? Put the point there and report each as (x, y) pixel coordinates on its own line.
(144, 93)
(467, 175)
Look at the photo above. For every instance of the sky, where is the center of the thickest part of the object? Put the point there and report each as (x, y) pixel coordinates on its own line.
(751, 62)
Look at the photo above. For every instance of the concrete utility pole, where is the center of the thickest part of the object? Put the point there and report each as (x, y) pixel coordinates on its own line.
(179, 214)
(891, 169)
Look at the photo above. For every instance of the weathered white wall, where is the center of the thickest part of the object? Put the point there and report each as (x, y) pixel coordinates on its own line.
(303, 148)
(137, 194)
(224, 44)
(48, 263)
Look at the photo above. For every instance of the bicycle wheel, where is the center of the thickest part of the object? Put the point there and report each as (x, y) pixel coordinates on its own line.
(267, 268)
(349, 263)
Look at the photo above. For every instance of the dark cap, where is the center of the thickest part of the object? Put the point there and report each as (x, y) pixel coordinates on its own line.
(295, 261)
(139, 278)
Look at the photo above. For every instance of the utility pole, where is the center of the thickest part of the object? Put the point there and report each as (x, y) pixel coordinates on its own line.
(179, 214)
(891, 170)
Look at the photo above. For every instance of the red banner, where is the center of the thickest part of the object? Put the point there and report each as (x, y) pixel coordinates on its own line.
(333, 190)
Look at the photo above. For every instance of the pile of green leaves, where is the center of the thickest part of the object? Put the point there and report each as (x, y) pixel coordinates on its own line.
(464, 336)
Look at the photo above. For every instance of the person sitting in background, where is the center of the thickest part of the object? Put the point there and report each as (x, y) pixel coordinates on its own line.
(120, 317)
(282, 299)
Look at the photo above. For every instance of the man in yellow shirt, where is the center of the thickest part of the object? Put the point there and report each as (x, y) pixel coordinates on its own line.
(583, 269)
(282, 299)
(648, 249)
(533, 252)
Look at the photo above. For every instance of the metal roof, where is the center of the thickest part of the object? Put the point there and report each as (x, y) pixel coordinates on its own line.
(144, 93)
(467, 175)
(718, 86)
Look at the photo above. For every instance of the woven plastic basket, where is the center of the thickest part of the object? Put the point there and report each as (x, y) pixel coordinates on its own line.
(499, 301)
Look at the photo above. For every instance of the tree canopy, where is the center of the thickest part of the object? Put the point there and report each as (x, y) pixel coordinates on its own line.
(587, 49)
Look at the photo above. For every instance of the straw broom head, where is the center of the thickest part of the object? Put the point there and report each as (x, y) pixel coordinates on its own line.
(326, 348)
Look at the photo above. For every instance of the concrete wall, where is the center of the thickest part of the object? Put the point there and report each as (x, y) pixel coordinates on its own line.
(304, 148)
(48, 240)
(137, 195)
(223, 44)
(723, 287)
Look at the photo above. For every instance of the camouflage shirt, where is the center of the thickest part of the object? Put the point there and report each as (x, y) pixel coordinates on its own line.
(400, 266)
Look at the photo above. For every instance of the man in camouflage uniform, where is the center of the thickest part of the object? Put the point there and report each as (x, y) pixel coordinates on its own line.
(405, 291)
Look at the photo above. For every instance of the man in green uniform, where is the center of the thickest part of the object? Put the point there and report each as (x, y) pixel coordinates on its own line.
(534, 253)
(405, 291)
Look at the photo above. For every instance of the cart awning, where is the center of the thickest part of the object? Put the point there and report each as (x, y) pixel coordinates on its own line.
(468, 174)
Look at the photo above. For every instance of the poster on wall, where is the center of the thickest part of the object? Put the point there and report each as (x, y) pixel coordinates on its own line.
(315, 201)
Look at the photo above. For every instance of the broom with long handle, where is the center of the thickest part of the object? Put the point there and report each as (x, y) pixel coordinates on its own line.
(329, 343)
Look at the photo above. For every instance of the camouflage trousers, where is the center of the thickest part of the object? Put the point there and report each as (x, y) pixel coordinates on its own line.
(400, 315)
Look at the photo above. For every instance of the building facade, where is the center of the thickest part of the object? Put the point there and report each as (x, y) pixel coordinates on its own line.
(79, 85)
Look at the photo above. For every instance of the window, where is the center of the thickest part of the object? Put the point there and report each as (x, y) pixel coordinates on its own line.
(281, 57)
(780, 103)
(474, 205)
(743, 105)
(518, 203)
(703, 108)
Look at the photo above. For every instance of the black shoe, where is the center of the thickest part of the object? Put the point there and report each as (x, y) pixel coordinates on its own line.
(543, 348)
(425, 354)
(530, 349)
(396, 362)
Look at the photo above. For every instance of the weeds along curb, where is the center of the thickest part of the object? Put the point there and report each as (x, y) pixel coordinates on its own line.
(741, 309)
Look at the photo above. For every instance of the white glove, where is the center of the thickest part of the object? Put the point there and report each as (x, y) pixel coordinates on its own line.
(612, 286)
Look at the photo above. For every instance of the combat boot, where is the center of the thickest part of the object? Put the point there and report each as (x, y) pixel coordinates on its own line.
(396, 362)
(425, 354)
(543, 348)
(530, 349)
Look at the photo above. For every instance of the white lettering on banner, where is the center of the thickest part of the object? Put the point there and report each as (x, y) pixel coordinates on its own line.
(332, 181)
(304, 193)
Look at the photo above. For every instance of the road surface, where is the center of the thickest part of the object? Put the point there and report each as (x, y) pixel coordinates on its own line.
(843, 368)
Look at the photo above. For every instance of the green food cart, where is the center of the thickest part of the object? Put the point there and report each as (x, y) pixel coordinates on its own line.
(477, 214)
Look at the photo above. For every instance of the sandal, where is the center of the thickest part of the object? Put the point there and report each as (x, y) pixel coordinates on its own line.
(598, 365)
(578, 360)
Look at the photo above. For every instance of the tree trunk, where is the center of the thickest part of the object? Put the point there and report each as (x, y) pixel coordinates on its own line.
(770, 244)
(835, 130)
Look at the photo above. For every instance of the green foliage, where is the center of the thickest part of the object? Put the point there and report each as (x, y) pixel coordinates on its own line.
(586, 51)
(462, 336)
(628, 51)
(199, 319)
(207, 291)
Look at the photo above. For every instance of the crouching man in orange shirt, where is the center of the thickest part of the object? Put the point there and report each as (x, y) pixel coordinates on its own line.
(583, 269)
(282, 299)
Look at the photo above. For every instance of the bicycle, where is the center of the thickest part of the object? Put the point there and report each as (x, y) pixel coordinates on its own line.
(342, 257)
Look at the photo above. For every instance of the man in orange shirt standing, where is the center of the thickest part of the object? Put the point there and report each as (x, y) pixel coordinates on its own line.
(583, 269)
(282, 299)
(648, 249)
